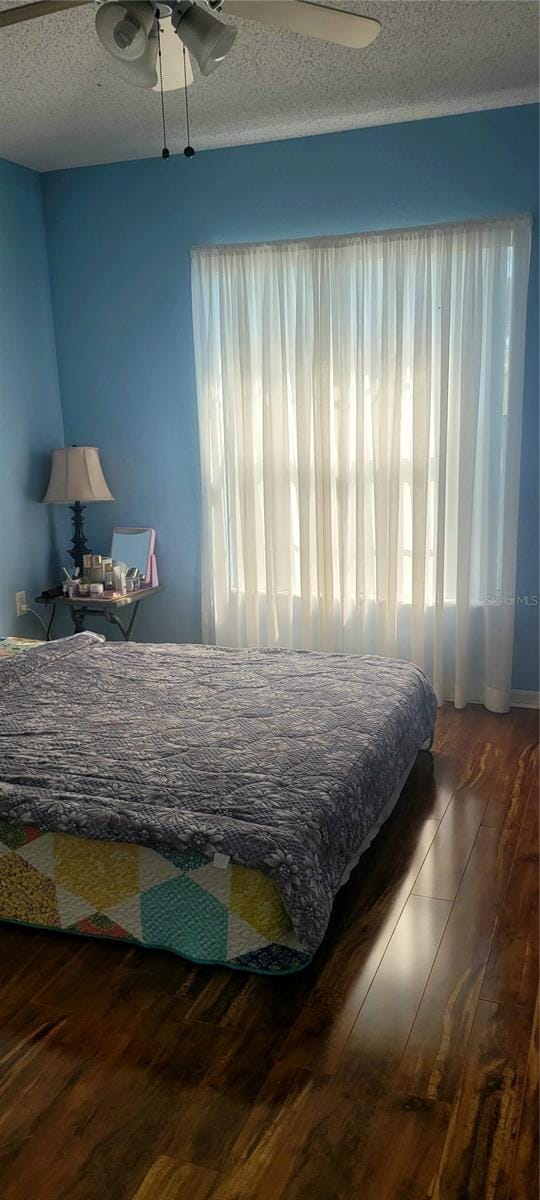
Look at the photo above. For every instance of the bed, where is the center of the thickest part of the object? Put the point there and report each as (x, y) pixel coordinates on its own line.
(203, 800)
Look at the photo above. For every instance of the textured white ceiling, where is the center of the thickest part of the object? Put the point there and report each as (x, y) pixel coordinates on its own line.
(60, 106)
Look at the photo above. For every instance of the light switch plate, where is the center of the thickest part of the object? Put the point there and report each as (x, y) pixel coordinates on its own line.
(20, 603)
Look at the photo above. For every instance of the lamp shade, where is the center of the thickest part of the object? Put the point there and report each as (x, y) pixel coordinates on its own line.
(141, 73)
(128, 33)
(206, 38)
(76, 474)
(123, 28)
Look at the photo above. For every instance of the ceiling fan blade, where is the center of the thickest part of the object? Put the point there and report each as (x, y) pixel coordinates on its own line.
(41, 8)
(313, 20)
(172, 60)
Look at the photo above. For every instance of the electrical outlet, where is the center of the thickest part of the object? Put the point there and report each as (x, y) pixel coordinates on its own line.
(20, 603)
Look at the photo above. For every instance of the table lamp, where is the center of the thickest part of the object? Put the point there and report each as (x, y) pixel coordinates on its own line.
(77, 479)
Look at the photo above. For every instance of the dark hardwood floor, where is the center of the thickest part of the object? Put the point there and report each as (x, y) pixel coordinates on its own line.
(402, 1065)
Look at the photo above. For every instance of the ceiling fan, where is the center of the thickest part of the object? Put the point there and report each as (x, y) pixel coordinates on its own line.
(134, 37)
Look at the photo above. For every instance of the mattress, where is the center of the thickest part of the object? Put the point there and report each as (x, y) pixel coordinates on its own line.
(203, 800)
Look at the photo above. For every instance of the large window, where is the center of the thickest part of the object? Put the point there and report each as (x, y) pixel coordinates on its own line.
(360, 415)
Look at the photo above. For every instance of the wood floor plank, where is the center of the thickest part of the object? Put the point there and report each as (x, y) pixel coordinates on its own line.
(20, 949)
(519, 776)
(434, 1055)
(266, 1157)
(388, 1012)
(412, 1116)
(313, 1144)
(215, 1076)
(525, 1174)
(176, 1089)
(512, 970)
(491, 752)
(89, 1087)
(59, 974)
(22, 1040)
(479, 1147)
(333, 1158)
(232, 999)
(169, 1179)
(432, 784)
(402, 1153)
(444, 864)
(363, 923)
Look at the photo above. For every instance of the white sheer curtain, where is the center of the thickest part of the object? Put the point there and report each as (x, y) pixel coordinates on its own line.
(360, 421)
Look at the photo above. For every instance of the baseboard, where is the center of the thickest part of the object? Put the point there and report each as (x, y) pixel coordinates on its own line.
(525, 700)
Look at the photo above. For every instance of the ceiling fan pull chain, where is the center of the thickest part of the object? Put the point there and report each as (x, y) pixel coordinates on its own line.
(165, 152)
(189, 151)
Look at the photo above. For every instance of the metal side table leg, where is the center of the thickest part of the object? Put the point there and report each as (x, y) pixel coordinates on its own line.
(126, 630)
(77, 616)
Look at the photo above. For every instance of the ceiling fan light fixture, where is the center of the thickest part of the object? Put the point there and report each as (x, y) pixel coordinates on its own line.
(123, 29)
(125, 32)
(206, 38)
(140, 72)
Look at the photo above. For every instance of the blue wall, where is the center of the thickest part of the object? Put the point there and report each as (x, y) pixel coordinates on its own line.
(30, 415)
(119, 247)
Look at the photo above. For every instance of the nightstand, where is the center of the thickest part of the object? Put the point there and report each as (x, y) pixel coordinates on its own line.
(81, 607)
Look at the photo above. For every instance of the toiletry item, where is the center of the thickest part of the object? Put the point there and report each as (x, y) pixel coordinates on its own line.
(129, 585)
(72, 588)
(134, 575)
(119, 580)
(96, 569)
(65, 586)
(87, 563)
(83, 588)
(96, 589)
(108, 578)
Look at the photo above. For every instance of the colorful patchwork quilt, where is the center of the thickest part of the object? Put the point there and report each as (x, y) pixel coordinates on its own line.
(14, 645)
(178, 901)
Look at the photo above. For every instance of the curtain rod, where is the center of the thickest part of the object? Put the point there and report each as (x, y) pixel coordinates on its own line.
(336, 240)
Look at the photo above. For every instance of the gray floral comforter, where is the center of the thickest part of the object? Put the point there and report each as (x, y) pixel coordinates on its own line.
(281, 759)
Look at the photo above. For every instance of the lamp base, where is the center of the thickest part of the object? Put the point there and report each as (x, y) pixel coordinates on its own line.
(78, 542)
